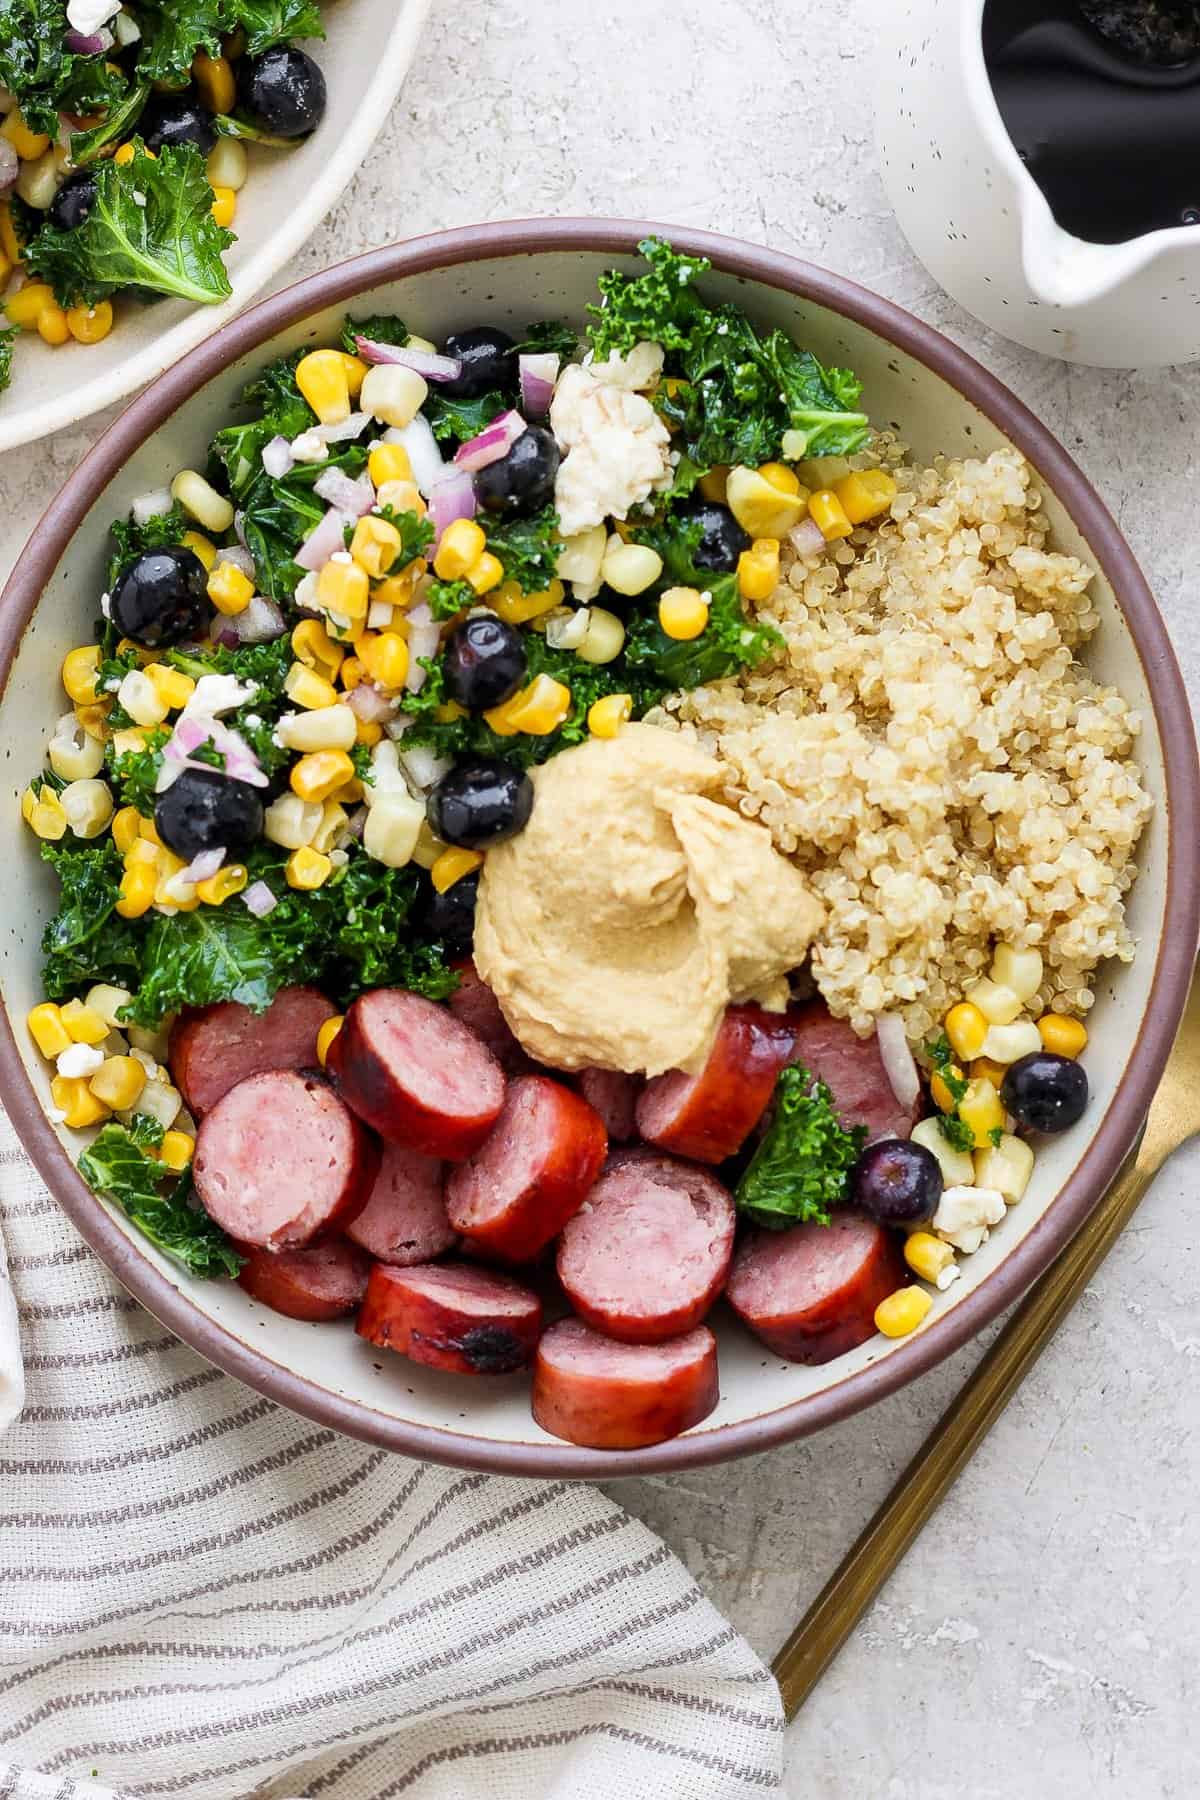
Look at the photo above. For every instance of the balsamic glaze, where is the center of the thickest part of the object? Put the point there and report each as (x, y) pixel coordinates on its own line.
(1106, 125)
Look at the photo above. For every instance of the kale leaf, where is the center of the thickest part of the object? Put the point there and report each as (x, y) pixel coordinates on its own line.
(116, 1166)
(86, 940)
(381, 328)
(270, 22)
(279, 512)
(528, 549)
(458, 420)
(658, 306)
(266, 665)
(6, 355)
(150, 227)
(115, 124)
(44, 75)
(280, 411)
(550, 335)
(134, 773)
(130, 539)
(367, 943)
(731, 640)
(416, 533)
(799, 1171)
(174, 30)
(446, 599)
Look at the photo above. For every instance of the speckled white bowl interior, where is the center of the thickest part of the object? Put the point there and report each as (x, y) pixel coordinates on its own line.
(517, 276)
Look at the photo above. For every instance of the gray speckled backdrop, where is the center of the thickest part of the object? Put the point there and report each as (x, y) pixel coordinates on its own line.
(1040, 1638)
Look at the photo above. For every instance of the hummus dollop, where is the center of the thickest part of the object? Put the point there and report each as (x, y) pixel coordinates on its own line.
(634, 907)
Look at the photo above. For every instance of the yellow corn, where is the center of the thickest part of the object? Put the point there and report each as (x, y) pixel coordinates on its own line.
(350, 792)
(137, 890)
(47, 1029)
(763, 503)
(307, 868)
(397, 590)
(981, 1111)
(226, 165)
(462, 544)
(984, 1069)
(604, 638)
(214, 78)
(683, 613)
(352, 674)
(52, 325)
(780, 476)
(313, 646)
(306, 688)
(75, 1100)
(342, 587)
(902, 1311)
(865, 494)
(10, 249)
(606, 717)
(223, 885)
(27, 144)
(538, 709)
(448, 711)
(29, 800)
(402, 497)
(323, 379)
(176, 1150)
(94, 720)
(202, 547)
(79, 673)
(516, 608)
(1018, 970)
(943, 1099)
(326, 1035)
(375, 545)
(926, 1255)
(829, 513)
(83, 1024)
(25, 307)
(148, 831)
(89, 324)
(124, 154)
(172, 686)
(369, 732)
(997, 1002)
(1006, 1166)
(486, 573)
(389, 462)
(712, 485)
(198, 497)
(118, 1081)
(318, 777)
(229, 588)
(385, 659)
(452, 865)
(758, 569)
(966, 1028)
(47, 816)
(1065, 1037)
(356, 372)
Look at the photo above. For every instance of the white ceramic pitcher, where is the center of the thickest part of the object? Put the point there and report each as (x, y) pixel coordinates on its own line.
(982, 227)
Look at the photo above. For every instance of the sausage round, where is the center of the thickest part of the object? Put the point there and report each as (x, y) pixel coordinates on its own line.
(469, 1321)
(852, 1069)
(214, 1048)
(810, 1293)
(614, 1097)
(710, 1115)
(324, 1281)
(609, 1396)
(649, 1253)
(416, 1074)
(280, 1161)
(518, 1191)
(404, 1220)
(478, 1008)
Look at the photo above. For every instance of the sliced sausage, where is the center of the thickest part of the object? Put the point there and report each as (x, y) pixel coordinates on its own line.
(214, 1048)
(324, 1281)
(475, 1004)
(518, 1191)
(614, 1097)
(810, 1293)
(710, 1115)
(449, 1316)
(416, 1074)
(609, 1396)
(280, 1161)
(648, 1254)
(404, 1221)
(852, 1069)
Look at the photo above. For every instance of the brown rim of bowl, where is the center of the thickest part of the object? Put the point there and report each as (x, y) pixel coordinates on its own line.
(1176, 952)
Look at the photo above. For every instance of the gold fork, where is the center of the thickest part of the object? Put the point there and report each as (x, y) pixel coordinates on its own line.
(1173, 1118)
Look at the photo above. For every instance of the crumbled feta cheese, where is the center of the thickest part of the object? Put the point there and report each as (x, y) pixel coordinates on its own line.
(79, 1059)
(306, 591)
(253, 720)
(87, 16)
(217, 694)
(639, 369)
(139, 199)
(964, 1215)
(617, 450)
(309, 447)
(106, 605)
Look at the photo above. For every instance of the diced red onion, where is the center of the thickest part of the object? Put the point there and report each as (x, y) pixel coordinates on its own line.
(225, 633)
(453, 497)
(325, 539)
(395, 727)
(189, 734)
(423, 452)
(277, 458)
(259, 623)
(424, 767)
(239, 528)
(349, 495)
(897, 1059)
(493, 442)
(539, 372)
(356, 824)
(424, 636)
(426, 362)
(367, 703)
(202, 867)
(352, 427)
(259, 898)
(10, 165)
(807, 539)
(148, 506)
(91, 43)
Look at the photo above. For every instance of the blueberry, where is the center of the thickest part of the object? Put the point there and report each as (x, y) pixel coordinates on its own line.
(176, 119)
(522, 481)
(722, 539)
(896, 1182)
(161, 597)
(486, 355)
(1045, 1092)
(73, 201)
(485, 662)
(480, 802)
(284, 89)
(206, 810)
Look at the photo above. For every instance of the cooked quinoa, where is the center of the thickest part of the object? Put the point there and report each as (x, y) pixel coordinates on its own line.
(928, 749)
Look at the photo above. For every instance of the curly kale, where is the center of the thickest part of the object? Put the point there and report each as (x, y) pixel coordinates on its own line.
(528, 549)
(130, 539)
(87, 940)
(799, 1172)
(6, 353)
(117, 1165)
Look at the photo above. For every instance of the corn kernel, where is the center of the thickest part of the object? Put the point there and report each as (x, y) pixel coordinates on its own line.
(957, 1168)
(322, 378)
(448, 711)
(1005, 1166)
(930, 1257)
(90, 324)
(981, 1111)
(828, 512)
(148, 831)
(607, 715)
(72, 753)
(758, 569)
(356, 372)
(350, 792)
(1020, 970)
(318, 776)
(137, 891)
(306, 688)
(452, 865)
(393, 393)
(712, 485)
(581, 559)
(124, 154)
(94, 720)
(118, 1082)
(25, 307)
(74, 1099)
(389, 462)
(326, 1035)
(368, 731)
(966, 1029)
(145, 851)
(291, 822)
(402, 497)
(229, 588)
(485, 574)
(47, 1029)
(47, 817)
(1009, 1043)
(683, 613)
(344, 588)
(10, 249)
(385, 659)
(201, 499)
(141, 699)
(229, 880)
(761, 506)
(375, 545)
(943, 1099)
(52, 325)
(88, 805)
(326, 728)
(352, 674)
(538, 709)
(1063, 1036)
(107, 1001)
(202, 547)
(83, 1026)
(307, 868)
(630, 569)
(27, 144)
(214, 78)
(516, 608)
(865, 494)
(393, 828)
(176, 1150)
(313, 646)
(902, 1311)
(159, 1100)
(172, 686)
(226, 164)
(984, 1069)
(780, 476)
(79, 673)
(997, 1002)
(461, 546)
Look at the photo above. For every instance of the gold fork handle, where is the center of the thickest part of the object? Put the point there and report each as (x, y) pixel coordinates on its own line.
(868, 1564)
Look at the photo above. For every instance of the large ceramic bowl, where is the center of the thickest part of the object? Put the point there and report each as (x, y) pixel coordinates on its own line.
(943, 401)
(366, 53)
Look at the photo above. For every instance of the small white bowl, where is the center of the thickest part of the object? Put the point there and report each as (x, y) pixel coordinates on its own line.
(365, 55)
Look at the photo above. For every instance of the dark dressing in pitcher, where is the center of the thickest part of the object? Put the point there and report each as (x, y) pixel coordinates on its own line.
(1102, 100)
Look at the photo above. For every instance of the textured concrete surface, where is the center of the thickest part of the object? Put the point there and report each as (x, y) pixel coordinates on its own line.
(1040, 1638)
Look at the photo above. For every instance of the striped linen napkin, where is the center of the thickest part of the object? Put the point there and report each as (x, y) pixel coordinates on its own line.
(202, 1594)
